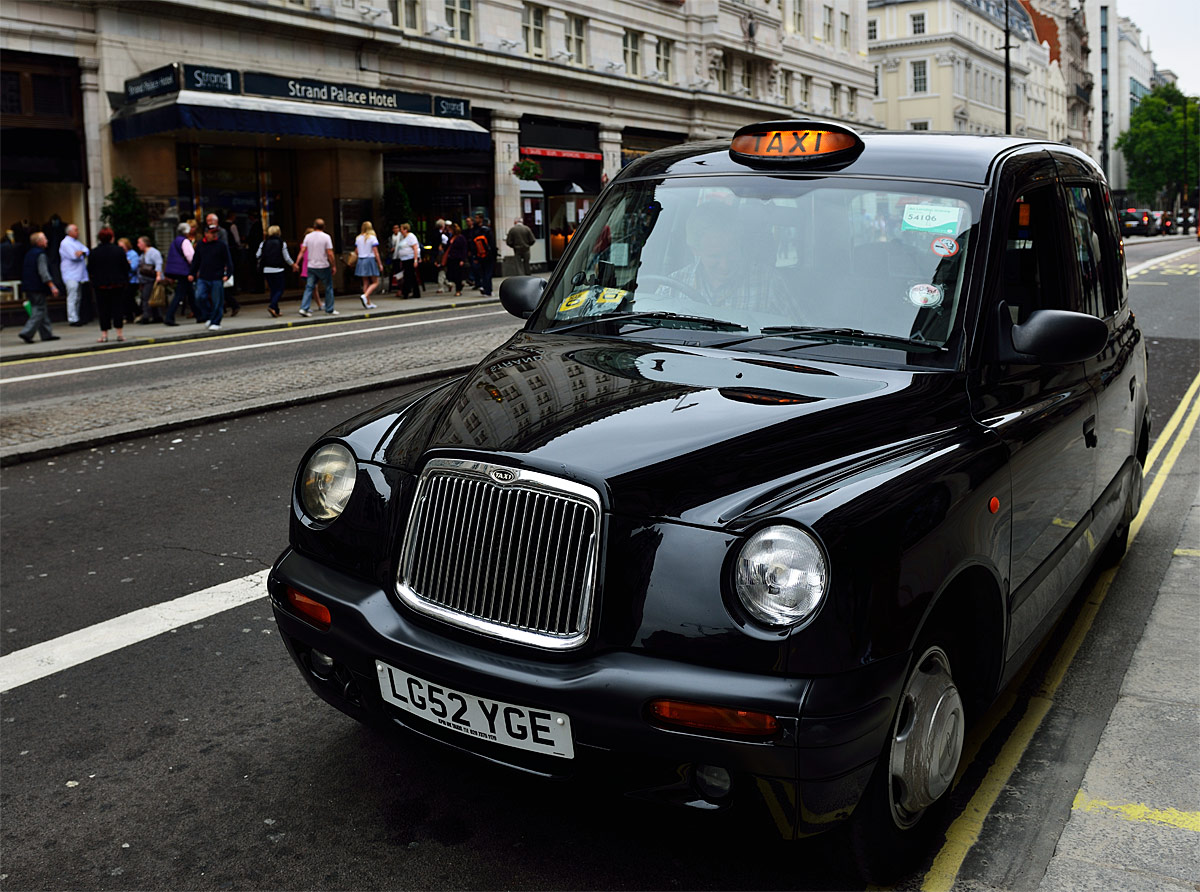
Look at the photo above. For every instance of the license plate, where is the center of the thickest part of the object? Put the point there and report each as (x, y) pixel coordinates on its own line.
(521, 727)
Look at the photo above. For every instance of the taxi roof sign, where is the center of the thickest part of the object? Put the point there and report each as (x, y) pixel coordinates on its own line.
(807, 143)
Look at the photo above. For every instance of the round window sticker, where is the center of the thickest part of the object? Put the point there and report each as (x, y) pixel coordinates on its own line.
(944, 246)
(925, 295)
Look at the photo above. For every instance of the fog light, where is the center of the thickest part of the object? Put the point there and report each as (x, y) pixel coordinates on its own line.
(322, 664)
(712, 782)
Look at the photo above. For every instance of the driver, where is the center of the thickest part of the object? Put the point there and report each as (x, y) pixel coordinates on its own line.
(722, 275)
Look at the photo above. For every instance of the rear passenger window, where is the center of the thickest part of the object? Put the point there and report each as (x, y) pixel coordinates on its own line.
(1085, 213)
(1031, 271)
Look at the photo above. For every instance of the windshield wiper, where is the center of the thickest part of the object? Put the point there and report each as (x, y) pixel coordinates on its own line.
(714, 324)
(835, 334)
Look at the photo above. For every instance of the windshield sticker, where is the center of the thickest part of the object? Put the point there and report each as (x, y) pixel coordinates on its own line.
(931, 218)
(925, 295)
(618, 254)
(600, 297)
(944, 246)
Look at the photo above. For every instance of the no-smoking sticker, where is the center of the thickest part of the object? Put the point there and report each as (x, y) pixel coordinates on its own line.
(944, 246)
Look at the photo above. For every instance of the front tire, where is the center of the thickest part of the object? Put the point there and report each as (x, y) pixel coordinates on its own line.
(891, 828)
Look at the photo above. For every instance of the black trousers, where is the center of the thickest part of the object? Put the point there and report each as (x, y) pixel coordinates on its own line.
(110, 306)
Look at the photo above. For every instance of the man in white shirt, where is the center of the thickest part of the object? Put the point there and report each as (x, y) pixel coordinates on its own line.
(318, 248)
(73, 256)
(407, 250)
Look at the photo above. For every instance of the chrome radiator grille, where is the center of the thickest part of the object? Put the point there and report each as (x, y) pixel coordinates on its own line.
(506, 552)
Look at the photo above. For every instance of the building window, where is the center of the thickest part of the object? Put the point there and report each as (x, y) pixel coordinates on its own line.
(845, 31)
(721, 73)
(785, 88)
(747, 77)
(851, 102)
(632, 45)
(805, 89)
(876, 80)
(872, 29)
(798, 16)
(919, 82)
(404, 14)
(662, 58)
(577, 39)
(533, 29)
(827, 24)
(835, 92)
(918, 125)
(459, 16)
(916, 23)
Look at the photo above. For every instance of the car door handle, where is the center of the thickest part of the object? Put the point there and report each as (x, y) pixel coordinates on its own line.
(1089, 433)
(1132, 387)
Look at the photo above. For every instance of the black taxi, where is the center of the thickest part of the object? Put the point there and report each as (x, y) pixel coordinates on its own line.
(802, 448)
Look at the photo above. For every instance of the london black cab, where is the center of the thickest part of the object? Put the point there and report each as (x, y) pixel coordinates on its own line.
(803, 447)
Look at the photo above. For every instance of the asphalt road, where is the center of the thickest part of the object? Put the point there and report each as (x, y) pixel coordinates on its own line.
(199, 759)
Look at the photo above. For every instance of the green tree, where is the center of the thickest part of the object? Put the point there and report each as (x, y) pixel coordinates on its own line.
(1153, 145)
(396, 206)
(125, 212)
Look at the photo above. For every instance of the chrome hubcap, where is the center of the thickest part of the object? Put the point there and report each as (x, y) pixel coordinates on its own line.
(927, 738)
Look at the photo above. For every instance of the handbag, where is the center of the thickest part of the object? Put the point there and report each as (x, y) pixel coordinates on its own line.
(158, 297)
(146, 270)
(351, 258)
(228, 283)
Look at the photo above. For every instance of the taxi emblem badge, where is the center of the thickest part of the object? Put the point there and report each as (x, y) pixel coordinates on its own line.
(503, 475)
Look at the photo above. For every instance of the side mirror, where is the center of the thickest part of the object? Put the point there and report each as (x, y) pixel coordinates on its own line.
(521, 295)
(1052, 337)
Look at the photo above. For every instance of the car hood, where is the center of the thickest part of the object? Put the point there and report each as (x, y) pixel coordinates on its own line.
(685, 433)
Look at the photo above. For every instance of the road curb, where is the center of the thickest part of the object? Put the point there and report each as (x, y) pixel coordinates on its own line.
(15, 455)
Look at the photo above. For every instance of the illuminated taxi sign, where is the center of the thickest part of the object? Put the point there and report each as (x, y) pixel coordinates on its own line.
(810, 143)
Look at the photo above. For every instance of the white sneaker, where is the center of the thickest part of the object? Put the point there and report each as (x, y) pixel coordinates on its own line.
(366, 304)
(305, 313)
(332, 313)
(372, 306)
(214, 327)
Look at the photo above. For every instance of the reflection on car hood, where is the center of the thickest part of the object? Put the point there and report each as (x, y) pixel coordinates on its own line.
(668, 432)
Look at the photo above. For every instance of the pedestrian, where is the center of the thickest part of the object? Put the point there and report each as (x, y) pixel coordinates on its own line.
(35, 283)
(211, 265)
(134, 289)
(317, 251)
(108, 271)
(441, 238)
(393, 262)
(176, 267)
(72, 255)
(273, 259)
(231, 301)
(150, 273)
(408, 251)
(455, 258)
(520, 239)
(366, 248)
(484, 242)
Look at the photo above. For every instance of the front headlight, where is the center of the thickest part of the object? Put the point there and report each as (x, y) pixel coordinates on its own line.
(327, 482)
(781, 575)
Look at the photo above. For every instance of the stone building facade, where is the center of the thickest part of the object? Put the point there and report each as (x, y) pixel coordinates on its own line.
(939, 65)
(277, 111)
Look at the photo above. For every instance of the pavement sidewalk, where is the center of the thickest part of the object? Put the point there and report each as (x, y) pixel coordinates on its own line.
(253, 316)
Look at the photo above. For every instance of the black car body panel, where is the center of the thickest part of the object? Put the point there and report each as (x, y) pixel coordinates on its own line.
(955, 488)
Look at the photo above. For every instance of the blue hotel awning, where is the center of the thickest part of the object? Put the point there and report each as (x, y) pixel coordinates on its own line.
(192, 110)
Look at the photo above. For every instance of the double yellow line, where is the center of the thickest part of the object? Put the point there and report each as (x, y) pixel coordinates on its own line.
(964, 832)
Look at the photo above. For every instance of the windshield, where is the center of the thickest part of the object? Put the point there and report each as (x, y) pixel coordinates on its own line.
(772, 263)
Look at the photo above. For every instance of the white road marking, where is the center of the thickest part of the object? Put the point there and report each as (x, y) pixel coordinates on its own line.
(259, 346)
(40, 660)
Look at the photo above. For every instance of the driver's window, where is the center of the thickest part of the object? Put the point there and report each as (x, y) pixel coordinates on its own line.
(1030, 270)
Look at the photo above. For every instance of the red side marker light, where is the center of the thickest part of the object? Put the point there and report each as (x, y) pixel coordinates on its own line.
(738, 722)
(314, 612)
(994, 505)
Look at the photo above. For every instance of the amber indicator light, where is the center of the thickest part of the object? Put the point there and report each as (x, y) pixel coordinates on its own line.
(313, 611)
(792, 143)
(738, 722)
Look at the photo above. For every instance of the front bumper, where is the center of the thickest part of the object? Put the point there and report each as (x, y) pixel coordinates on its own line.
(812, 775)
